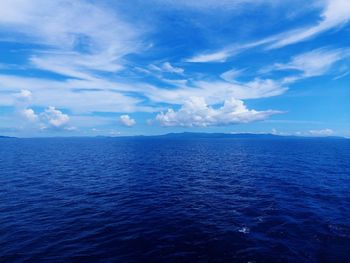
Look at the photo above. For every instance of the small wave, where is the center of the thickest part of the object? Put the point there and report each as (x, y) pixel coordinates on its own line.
(244, 230)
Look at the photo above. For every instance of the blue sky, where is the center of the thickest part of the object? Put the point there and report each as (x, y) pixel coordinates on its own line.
(109, 67)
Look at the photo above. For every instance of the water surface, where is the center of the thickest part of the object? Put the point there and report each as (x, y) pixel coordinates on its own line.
(173, 200)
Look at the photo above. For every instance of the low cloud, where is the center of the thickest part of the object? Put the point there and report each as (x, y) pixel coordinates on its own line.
(50, 118)
(127, 121)
(196, 113)
(54, 118)
(324, 132)
(29, 115)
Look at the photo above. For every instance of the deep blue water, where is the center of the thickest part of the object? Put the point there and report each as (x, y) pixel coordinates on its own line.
(163, 200)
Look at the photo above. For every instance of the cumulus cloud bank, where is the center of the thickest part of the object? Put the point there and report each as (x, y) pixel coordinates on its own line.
(196, 112)
(50, 118)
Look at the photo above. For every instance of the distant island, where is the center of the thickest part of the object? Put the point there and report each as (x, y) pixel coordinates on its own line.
(192, 135)
(203, 135)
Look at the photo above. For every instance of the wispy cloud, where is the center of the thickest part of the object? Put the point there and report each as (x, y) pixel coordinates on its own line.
(216, 91)
(76, 95)
(219, 56)
(310, 64)
(342, 75)
(228, 5)
(336, 13)
(76, 45)
(167, 67)
(231, 75)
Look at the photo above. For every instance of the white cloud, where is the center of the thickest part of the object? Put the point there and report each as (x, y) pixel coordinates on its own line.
(165, 67)
(88, 49)
(169, 68)
(175, 82)
(77, 44)
(65, 28)
(99, 95)
(78, 96)
(324, 132)
(77, 65)
(217, 91)
(335, 14)
(50, 118)
(29, 115)
(313, 63)
(274, 131)
(127, 121)
(231, 75)
(219, 56)
(222, 6)
(19, 99)
(229, 51)
(196, 112)
(88, 96)
(54, 118)
(24, 95)
(84, 47)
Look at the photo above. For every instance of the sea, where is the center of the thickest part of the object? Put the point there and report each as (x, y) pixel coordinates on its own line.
(155, 199)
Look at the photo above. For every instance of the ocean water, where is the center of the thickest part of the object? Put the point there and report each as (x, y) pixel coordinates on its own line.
(173, 200)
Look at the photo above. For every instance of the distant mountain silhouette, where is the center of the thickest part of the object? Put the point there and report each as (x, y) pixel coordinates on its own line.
(193, 135)
(218, 135)
(204, 135)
